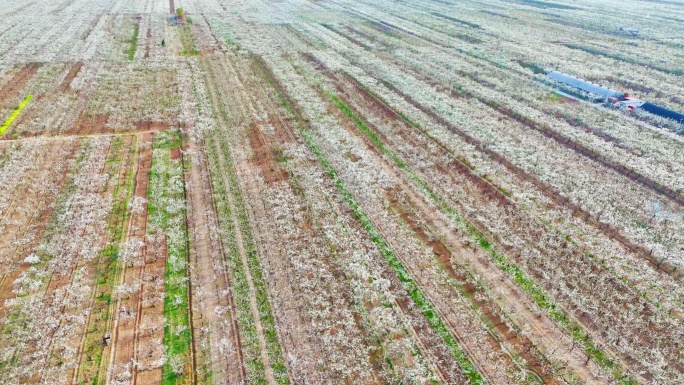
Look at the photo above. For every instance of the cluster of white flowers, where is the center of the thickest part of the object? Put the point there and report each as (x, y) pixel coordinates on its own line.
(54, 291)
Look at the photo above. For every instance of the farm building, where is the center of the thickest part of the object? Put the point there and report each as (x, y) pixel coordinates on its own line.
(585, 85)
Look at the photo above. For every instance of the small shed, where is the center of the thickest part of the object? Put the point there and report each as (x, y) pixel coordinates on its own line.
(585, 85)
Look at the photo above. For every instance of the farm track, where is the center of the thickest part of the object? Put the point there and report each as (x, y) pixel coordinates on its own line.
(73, 71)
(148, 336)
(211, 279)
(255, 314)
(123, 337)
(67, 137)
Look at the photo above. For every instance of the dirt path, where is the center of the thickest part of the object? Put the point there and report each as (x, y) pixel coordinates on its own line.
(148, 340)
(219, 105)
(215, 324)
(124, 327)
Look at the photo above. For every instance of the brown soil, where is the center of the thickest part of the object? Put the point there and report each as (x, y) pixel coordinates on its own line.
(18, 81)
(175, 154)
(90, 124)
(265, 157)
(73, 71)
(148, 326)
(148, 125)
(97, 125)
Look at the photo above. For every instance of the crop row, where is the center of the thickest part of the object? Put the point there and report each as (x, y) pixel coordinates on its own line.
(250, 289)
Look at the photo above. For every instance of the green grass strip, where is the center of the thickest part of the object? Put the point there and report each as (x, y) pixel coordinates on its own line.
(15, 114)
(134, 42)
(188, 42)
(167, 212)
(535, 291)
